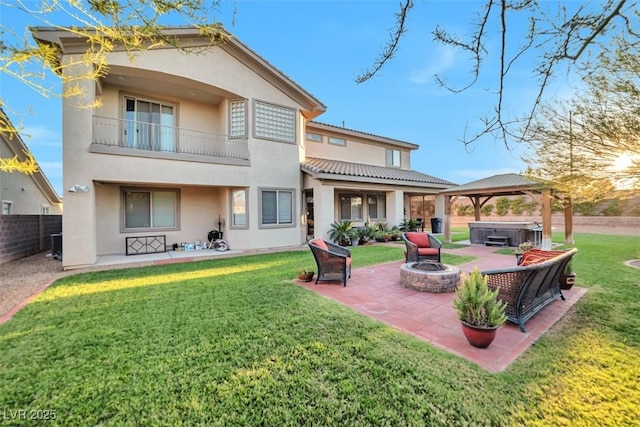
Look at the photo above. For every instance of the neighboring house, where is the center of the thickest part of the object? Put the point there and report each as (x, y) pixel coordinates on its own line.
(182, 140)
(22, 194)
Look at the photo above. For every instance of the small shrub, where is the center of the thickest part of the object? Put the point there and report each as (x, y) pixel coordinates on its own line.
(502, 206)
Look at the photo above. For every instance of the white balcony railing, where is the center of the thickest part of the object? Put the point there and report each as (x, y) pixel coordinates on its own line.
(151, 138)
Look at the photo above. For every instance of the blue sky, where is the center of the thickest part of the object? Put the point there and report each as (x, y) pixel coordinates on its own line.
(323, 46)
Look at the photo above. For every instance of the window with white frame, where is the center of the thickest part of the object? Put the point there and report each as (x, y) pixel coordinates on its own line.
(147, 209)
(393, 157)
(275, 122)
(276, 207)
(45, 209)
(376, 207)
(314, 137)
(239, 208)
(351, 207)
(6, 207)
(338, 141)
(238, 119)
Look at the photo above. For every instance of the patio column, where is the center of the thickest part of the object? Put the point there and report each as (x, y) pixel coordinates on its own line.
(447, 219)
(395, 206)
(546, 219)
(568, 220)
(476, 208)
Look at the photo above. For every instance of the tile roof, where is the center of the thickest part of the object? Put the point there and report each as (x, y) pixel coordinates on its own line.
(337, 169)
(495, 182)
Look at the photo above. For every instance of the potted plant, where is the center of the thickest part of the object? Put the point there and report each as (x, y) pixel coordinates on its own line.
(354, 236)
(479, 309)
(521, 249)
(365, 234)
(568, 277)
(341, 232)
(305, 274)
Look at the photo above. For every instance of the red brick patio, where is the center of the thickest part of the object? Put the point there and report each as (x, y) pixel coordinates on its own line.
(376, 292)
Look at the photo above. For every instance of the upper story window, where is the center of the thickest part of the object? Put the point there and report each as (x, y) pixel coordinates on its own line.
(276, 207)
(338, 141)
(146, 209)
(393, 157)
(6, 207)
(314, 137)
(238, 118)
(149, 125)
(275, 122)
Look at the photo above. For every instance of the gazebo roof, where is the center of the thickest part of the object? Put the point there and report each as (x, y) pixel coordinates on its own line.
(503, 185)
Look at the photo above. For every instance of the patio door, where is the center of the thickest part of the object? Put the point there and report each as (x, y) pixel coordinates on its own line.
(308, 202)
(149, 125)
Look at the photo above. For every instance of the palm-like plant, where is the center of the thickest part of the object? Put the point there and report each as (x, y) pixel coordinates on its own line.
(341, 232)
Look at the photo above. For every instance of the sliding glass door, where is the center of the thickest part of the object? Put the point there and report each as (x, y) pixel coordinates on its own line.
(149, 125)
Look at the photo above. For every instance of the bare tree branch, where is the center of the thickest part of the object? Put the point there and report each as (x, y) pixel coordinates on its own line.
(392, 46)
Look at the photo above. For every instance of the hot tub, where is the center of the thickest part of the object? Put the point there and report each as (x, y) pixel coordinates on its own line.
(517, 231)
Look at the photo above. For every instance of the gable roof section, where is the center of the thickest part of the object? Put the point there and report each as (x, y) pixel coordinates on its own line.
(18, 147)
(506, 184)
(68, 42)
(347, 171)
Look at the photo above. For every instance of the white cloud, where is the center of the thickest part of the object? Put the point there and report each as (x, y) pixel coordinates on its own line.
(41, 136)
(441, 62)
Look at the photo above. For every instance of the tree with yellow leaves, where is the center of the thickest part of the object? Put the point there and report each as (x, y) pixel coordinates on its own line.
(106, 24)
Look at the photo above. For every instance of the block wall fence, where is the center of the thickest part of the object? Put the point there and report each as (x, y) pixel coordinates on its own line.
(25, 235)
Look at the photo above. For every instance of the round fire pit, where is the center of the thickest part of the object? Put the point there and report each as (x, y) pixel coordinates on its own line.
(429, 276)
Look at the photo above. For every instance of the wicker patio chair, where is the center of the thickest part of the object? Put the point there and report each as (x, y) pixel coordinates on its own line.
(334, 261)
(421, 246)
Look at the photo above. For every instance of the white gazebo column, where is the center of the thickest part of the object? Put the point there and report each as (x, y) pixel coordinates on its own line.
(395, 207)
(546, 219)
(323, 210)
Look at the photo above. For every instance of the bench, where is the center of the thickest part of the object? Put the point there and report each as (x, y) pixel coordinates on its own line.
(145, 244)
(531, 286)
(497, 241)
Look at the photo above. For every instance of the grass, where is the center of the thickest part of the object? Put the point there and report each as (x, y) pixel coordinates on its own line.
(234, 342)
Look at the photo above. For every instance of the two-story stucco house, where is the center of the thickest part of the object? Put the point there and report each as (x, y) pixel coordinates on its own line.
(180, 141)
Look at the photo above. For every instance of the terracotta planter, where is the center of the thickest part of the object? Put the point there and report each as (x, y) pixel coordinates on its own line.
(479, 336)
(306, 277)
(567, 281)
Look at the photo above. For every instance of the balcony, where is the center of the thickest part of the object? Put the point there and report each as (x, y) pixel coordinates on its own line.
(141, 139)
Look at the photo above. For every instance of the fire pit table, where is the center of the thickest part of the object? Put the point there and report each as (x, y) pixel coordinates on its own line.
(429, 276)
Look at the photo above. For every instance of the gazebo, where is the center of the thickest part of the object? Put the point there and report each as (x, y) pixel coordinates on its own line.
(483, 190)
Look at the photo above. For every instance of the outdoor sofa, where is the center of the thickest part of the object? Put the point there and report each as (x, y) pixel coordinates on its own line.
(333, 261)
(532, 285)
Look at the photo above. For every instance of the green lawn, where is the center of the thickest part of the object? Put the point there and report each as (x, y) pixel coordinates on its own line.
(235, 342)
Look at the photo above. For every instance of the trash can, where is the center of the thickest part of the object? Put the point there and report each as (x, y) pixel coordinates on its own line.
(56, 246)
(436, 225)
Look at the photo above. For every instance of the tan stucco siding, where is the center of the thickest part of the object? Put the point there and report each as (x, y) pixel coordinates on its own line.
(354, 151)
(198, 210)
(189, 115)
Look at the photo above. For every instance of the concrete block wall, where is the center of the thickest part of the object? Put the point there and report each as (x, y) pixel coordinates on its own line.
(25, 235)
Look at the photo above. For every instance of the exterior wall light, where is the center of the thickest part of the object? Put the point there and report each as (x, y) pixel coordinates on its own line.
(79, 189)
